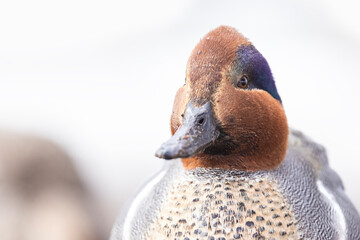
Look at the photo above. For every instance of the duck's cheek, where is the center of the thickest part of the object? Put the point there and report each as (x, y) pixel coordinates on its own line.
(253, 118)
(232, 106)
(238, 112)
(180, 102)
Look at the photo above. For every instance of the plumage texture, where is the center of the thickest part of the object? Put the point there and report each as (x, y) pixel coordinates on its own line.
(207, 204)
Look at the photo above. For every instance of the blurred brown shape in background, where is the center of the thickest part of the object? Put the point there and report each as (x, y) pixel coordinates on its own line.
(41, 195)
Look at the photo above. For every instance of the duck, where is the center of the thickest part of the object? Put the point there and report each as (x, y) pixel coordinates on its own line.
(235, 169)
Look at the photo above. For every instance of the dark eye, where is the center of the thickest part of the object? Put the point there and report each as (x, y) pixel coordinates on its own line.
(243, 82)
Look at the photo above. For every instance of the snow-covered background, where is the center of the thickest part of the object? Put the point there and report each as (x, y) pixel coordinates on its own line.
(99, 77)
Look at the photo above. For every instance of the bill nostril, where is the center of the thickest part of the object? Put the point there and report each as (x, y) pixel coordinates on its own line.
(201, 121)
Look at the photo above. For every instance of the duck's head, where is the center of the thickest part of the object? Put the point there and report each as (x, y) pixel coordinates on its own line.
(228, 114)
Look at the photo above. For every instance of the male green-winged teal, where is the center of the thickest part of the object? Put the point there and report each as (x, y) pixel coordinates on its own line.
(237, 172)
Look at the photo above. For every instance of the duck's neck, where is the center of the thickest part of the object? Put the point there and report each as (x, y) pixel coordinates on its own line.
(233, 162)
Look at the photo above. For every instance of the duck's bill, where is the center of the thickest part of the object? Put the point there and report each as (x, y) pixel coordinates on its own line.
(197, 132)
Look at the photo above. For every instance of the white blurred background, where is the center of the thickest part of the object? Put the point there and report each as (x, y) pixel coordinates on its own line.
(99, 77)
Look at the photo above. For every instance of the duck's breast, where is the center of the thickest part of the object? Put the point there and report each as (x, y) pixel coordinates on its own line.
(217, 204)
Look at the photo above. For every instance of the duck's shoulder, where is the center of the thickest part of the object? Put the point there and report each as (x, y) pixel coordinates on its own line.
(302, 148)
(308, 160)
(311, 186)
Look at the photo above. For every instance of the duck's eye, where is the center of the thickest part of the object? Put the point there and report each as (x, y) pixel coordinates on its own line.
(243, 82)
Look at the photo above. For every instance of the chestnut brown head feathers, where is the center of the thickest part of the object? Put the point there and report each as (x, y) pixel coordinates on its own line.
(228, 114)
